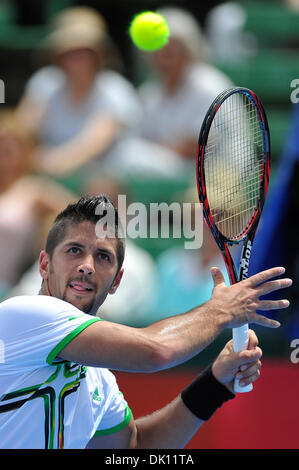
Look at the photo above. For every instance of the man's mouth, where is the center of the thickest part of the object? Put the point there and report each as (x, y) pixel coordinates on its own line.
(80, 287)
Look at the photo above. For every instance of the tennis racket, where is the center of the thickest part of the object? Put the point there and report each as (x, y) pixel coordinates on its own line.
(233, 169)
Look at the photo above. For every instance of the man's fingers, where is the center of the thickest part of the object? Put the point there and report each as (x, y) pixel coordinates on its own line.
(264, 321)
(217, 276)
(273, 304)
(253, 340)
(268, 305)
(272, 286)
(250, 370)
(249, 380)
(249, 356)
(264, 276)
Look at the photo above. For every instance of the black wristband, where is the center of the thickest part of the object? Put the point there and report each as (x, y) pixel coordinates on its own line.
(205, 394)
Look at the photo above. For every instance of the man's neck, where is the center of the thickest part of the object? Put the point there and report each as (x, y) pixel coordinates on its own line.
(44, 290)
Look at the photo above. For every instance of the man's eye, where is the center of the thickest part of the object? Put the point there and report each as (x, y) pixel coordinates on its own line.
(74, 250)
(104, 256)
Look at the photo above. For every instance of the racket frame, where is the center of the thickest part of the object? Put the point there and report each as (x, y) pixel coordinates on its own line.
(248, 234)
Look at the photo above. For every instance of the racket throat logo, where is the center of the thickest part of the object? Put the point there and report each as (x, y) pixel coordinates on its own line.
(244, 262)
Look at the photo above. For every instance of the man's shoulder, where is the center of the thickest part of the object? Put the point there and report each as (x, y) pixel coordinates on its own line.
(36, 303)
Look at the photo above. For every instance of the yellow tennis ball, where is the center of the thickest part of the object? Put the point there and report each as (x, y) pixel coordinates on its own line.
(149, 31)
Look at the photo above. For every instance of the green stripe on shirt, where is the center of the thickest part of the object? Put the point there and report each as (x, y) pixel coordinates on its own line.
(118, 427)
(55, 351)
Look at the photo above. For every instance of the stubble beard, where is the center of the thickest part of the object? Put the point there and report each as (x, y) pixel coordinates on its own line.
(87, 308)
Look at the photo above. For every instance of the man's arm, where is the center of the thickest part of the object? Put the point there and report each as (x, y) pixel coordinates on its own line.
(169, 428)
(173, 426)
(174, 340)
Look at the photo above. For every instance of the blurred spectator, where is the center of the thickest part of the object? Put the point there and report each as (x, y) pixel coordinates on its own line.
(184, 275)
(79, 109)
(182, 88)
(225, 28)
(25, 200)
(292, 4)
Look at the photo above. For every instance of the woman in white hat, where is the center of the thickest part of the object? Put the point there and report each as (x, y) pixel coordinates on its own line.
(78, 108)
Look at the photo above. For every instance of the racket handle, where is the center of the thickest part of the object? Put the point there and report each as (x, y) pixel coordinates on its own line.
(240, 340)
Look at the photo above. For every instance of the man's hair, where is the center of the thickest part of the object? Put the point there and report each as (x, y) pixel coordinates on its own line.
(91, 209)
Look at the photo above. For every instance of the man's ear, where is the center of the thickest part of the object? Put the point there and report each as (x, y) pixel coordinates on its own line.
(44, 264)
(116, 282)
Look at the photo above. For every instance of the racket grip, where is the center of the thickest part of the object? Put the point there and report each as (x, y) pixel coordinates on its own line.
(240, 341)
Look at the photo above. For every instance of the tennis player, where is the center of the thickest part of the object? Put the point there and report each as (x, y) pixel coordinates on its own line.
(56, 390)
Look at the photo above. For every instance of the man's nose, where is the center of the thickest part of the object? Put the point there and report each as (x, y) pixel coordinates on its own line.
(87, 266)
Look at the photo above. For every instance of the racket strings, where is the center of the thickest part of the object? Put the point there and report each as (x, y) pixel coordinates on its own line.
(234, 165)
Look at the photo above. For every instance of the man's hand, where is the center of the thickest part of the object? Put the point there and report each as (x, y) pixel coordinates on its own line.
(244, 365)
(240, 301)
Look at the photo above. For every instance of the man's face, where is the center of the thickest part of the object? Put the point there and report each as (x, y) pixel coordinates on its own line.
(83, 268)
